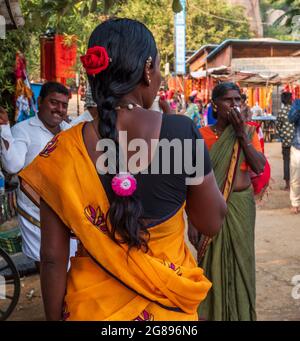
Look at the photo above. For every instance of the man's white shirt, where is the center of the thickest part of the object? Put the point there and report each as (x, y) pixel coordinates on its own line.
(85, 117)
(26, 140)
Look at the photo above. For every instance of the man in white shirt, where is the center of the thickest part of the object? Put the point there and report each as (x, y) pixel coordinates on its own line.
(90, 108)
(21, 144)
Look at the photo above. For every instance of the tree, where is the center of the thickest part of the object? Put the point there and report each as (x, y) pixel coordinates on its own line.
(277, 30)
(291, 9)
(15, 40)
(217, 22)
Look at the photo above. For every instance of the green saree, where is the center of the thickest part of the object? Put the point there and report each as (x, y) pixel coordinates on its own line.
(229, 259)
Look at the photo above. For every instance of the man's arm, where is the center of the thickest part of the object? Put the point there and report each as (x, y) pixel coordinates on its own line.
(14, 144)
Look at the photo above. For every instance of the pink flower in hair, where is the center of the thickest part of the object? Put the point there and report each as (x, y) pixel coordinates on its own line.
(124, 184)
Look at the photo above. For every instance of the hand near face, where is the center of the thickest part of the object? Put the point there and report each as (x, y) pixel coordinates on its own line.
(236, 120)
(3, 116)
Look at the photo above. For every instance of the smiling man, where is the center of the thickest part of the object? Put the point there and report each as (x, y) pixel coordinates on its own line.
(22, 143)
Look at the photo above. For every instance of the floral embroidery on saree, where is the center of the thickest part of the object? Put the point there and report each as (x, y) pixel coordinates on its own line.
(65, 312)
(144, 316)
(173, 267)
(50, 147)
(96, 217)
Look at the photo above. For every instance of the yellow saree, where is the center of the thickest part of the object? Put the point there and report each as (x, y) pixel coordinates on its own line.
(105, 282)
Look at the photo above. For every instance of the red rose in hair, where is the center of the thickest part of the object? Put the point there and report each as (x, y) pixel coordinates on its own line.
(95, 60)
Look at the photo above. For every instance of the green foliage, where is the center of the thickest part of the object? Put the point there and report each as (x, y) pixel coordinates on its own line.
(291, 9)
(216, 23)
(15, 41)
(283, 26)
(201, 28)
(68, 17)
(79, 17)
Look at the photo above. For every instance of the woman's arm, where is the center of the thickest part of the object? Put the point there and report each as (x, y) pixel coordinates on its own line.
(205, 206)
(254, 159)
(55, 244)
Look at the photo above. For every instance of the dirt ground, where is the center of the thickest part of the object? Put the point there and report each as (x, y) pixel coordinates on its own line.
(277, 257)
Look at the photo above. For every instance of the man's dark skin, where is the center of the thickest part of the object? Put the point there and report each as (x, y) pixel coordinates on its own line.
(52, 111)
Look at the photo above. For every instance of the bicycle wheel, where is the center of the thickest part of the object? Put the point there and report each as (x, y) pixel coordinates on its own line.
(9, 285)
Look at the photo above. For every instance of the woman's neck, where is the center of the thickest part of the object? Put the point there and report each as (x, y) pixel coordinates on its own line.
(221, 124)
(131, 99)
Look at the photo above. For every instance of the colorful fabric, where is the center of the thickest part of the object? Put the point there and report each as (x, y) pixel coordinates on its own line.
(284, 127)
(260, 182)
(193, 113)
(25, 105)
(47, 59)
(106, 282)
(65, 56)
(58, 59)
(210, 118)
(229, 261)
(211, 138)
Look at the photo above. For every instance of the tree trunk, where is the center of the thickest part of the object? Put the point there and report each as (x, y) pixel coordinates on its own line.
(252, 11)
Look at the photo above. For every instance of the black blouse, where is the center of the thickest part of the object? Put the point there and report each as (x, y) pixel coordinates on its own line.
(163, 194)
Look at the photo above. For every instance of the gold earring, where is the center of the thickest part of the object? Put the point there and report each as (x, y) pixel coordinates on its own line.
(149, 62)
(148, 66)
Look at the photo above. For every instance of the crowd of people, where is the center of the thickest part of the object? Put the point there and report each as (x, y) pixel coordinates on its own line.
(109, 242)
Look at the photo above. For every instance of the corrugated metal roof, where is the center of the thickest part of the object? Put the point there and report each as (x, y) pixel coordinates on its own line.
(202, 48)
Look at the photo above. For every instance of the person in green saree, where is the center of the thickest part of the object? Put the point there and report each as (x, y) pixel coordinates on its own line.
(229, 258)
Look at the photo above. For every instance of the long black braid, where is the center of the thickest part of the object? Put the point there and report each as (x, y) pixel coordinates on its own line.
(129, 45)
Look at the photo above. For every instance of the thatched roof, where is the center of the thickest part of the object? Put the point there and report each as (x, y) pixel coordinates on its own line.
(11, 11)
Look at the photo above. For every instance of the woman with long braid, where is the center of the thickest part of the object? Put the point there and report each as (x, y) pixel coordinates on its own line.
(132, 262)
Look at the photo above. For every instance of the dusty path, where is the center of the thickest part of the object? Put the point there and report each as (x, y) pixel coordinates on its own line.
(277, 257)
(277, 249)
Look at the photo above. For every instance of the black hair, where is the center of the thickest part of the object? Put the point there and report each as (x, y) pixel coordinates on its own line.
(50, 87)
(286, 97)
(129, 45)
(221, 90)
(243, 97)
